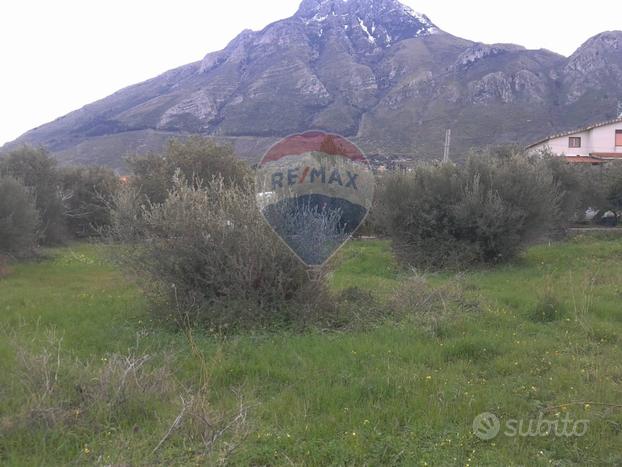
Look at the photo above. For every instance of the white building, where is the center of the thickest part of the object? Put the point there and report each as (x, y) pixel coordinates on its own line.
(594, 144)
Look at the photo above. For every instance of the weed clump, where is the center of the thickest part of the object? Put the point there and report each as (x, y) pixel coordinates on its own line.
(132, 392)
(426, 306)
(547, 309)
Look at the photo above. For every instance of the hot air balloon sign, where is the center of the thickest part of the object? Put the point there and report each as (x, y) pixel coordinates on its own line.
(314, 189)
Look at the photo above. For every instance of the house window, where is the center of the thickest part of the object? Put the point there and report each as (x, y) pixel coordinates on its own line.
(574, 142)
(618, 138)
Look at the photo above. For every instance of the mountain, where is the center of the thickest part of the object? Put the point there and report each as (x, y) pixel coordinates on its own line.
(372, 70)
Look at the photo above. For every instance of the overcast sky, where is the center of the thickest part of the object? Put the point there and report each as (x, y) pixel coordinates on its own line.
(56, 56)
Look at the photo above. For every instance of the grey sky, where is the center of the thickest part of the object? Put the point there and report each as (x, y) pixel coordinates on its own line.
(58, 56)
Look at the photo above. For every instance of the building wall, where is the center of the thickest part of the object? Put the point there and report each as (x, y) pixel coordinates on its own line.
(601, 139)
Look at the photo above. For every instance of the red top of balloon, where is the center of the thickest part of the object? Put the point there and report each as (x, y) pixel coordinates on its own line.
(314, 141)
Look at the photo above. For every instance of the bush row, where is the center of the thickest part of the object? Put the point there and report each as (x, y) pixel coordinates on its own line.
(41, 203)
(187, 225)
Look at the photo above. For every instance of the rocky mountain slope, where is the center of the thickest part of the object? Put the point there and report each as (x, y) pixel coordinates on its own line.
(372, 70)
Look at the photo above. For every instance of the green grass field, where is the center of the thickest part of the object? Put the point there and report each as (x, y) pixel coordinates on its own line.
(542, 337)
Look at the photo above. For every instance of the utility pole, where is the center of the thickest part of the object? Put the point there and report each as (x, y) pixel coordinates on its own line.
(447, 146)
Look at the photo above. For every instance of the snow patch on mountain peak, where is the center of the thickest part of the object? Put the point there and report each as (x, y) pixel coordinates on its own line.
(371, 39)
(381, 21)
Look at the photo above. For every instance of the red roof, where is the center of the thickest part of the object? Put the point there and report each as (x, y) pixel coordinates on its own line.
(607, 155)
(584, 160)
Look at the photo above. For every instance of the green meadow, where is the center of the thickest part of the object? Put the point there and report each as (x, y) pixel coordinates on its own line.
(87, 378)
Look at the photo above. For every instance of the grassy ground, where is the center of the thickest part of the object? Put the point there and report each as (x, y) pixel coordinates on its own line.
(543, 339)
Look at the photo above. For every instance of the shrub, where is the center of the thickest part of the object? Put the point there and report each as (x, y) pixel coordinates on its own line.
(37, 170)
(613, 185)
(584, 187)
(89, 191)
(126, 211)
(196, 158)
(483, 212)
(5, 270)
(209, 257)
(580, 188)
(19, 219)
(374, 224)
